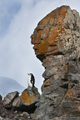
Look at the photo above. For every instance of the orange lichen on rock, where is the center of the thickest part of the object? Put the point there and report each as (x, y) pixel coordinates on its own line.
(47, 83)
(30, 96)
(65, 67)
(75, 105)
(70, 93)
(42, 49)
(74, 98)
(47, 32)
(27, 99)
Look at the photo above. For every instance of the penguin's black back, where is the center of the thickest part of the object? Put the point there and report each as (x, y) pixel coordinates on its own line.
(32, 79)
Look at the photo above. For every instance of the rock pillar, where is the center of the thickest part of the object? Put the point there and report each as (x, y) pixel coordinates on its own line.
(56, 42)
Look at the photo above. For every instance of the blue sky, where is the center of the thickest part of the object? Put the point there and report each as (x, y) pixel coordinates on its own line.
(7, 11)
(18, 19)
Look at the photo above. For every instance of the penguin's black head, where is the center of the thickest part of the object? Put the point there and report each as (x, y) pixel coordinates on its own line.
(30, 74)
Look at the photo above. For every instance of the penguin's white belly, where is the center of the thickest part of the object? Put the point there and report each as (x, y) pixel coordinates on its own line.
(29, 81)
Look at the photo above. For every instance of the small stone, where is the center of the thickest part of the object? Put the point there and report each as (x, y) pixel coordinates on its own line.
(21, 115)
(25, 114)
(15, 111)
(33, 116)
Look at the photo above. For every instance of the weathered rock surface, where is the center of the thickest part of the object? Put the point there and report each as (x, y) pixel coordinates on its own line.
(30, 96)
(15, 107)
(25, 102)
(6, 114)
(7, 102)
(56, 42)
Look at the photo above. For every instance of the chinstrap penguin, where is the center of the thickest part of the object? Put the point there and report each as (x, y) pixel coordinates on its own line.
(31, 80)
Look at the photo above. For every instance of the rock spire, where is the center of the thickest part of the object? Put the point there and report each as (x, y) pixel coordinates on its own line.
(56, 42)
